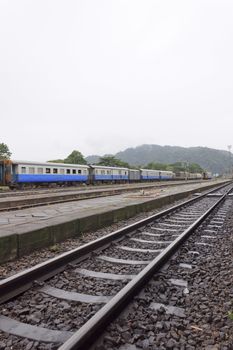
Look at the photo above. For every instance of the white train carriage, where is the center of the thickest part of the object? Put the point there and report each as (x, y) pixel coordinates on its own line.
(181, 175)
(134, 175)
(195, 176)
(25, 172)
(166, 175)
(100, 173)
(150, 175)
(207, 175)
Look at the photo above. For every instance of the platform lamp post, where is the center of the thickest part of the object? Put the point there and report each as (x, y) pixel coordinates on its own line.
(229, 149)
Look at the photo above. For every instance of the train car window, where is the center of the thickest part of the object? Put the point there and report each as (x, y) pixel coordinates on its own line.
(74, 171)
(119, 172)
(39, 170)
(55, 171)
(96, 171)
(47, 170)
(108, 172)
(103, 172)
(80, 171)
(31, 170)
(125, 172)
(67, 171)
(23, 170)
(62, 171)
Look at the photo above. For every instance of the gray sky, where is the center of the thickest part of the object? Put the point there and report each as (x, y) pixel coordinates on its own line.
(101, 75)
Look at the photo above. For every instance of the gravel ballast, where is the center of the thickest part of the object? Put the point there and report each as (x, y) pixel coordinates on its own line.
(204, 300)
(184, 304)
(11, 268)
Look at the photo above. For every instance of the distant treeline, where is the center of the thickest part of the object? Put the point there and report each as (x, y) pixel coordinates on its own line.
(192, 159)
(76, 157)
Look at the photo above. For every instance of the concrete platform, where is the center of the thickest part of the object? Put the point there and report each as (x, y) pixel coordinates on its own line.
(24, 199)
(25, 230)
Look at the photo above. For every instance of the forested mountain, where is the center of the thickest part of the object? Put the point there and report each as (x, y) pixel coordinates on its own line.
(216, 161)
(94, 159)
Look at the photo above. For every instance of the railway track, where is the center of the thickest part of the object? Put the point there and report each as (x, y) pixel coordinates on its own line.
(40, 197)
(79, 188)
(71, 298)
(186, 304)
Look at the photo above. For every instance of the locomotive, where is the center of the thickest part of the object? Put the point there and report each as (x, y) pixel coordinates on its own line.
(16, 174)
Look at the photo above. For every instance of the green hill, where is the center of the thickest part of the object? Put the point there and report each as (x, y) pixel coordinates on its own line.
(216, 161)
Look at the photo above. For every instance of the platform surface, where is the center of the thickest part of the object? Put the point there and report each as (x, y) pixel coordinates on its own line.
(19, 221)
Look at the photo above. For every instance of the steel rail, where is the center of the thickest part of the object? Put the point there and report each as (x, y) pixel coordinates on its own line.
(22, 281)
(93, 328)
(57, 197)
(67, 189)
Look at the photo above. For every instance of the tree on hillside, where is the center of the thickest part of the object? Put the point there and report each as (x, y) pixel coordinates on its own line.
(176, 167)
(156, 166)
(4, 151)
(185, 166)
(75, 157)
(112, 161)
(195, 168)
(179, 166)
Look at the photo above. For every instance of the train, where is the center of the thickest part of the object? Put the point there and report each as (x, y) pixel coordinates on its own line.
(19, 174)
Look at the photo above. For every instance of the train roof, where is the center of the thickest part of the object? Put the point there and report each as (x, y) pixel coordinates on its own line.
(107, 167)
(162, 171)
(26, 162)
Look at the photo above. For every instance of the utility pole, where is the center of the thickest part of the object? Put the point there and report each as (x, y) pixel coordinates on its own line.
(229, 149)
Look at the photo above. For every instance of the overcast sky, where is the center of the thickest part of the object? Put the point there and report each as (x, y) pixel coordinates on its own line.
(103, 75)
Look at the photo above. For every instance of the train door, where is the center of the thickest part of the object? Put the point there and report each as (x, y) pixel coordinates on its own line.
(91, 176)
(14, 172)
(7, 172)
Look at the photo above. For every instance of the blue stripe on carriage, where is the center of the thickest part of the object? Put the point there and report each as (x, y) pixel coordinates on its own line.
(110, 177)
(163, 177)
(49, 178)
(150, 177)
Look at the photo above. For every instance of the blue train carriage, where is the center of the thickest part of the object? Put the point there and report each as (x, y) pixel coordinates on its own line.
(153, 175)
(150, 174)
(36, 173)
(102, 174)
